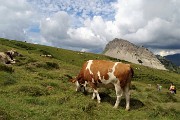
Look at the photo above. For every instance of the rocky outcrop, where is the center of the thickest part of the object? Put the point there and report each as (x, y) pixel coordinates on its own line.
(124, 50)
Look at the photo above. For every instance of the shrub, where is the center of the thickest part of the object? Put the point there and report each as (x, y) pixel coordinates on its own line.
(51, 65)
(45, 84)
(169, 98)
(6, 68)
(44, 52)
(133, 87)
(35, 101)
(48, 75)
(31, 68)
(25, 60)
(4, 115)
(48, 65)
(63, 100)
(24, 46)
(160, 112)
(89, 108)
(34, 90)
(7, 79)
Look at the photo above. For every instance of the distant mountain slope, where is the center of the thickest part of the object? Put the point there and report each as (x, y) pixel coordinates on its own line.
(175, 58)
(168, 64)
(124, 50)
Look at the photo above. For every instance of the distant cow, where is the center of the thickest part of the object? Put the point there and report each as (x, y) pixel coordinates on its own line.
(50, 56)
(8, 57)
(100, 72)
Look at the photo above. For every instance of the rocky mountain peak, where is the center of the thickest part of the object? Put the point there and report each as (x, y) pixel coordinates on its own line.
(125, 50)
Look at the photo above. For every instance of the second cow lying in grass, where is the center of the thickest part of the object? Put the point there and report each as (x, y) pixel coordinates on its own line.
(8, 56)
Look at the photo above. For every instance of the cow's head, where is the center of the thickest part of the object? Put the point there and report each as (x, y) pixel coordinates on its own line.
(80, 86)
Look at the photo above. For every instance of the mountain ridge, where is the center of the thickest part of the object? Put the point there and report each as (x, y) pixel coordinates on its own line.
(125, 50)
(174, 58)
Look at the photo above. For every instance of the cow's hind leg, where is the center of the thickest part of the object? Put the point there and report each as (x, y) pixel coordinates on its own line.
(127, 96)
(119, 94)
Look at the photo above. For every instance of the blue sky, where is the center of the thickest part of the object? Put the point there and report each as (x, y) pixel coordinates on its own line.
(88, 25)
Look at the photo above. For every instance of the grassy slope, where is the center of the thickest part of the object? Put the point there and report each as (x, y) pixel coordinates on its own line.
(25, 91)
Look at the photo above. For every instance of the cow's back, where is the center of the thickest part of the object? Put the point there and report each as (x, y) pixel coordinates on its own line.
(98, 69)
(101, 70)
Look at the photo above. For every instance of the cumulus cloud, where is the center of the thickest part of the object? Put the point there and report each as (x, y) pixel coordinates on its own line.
(15, 17)
(55, 28)
(90, 25)
(153, 24)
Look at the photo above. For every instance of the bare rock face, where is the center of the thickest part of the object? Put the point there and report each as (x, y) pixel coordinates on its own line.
(124, 50)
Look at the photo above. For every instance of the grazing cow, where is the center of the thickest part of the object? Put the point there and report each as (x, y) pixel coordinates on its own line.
(50, 56)
(8, 57)
(100, 72)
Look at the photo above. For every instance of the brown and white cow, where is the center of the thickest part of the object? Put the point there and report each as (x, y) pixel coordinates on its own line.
(98, 72)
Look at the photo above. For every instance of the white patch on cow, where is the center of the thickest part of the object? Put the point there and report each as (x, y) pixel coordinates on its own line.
(99, 75)
(97, 95)
(112, 77)
(89, 66)
(93, 80)
(85, 84)
(77, 86)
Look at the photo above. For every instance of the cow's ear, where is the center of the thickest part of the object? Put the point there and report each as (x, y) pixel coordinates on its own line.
(72, 80)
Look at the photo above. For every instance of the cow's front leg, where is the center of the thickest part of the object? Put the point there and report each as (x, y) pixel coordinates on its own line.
(96, 94)
(118, 95)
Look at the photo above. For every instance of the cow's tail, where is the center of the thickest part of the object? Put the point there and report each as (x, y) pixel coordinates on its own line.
(127, 82)
(132, 73)
(130, 77)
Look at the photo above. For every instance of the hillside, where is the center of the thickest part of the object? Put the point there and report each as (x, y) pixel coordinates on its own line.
(124, 50)
(175, 58)
(168, 64)
(37, 88)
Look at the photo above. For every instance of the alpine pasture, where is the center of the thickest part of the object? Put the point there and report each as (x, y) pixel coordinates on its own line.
(37, 87)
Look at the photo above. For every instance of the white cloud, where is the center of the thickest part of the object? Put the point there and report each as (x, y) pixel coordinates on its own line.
(166, 52)
(55, 28)
(89, 25)
(142, 22)
(15, 17)
(84, 37)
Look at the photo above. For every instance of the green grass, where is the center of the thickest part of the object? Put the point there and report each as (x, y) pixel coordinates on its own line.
(37, 88)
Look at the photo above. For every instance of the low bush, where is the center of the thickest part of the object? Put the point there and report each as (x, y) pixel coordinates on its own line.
(24, 46)
(48, 65)
(133, 87)
(51, 65)
(48, 75)
(4, 115)
(45, 84)
(7, 79)
(6, 68)
(63, 100)
(34, 90)
(89, 108)
(160, 112)
(35, 101)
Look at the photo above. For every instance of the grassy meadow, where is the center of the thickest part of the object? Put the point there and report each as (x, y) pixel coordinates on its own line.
(37, 88)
